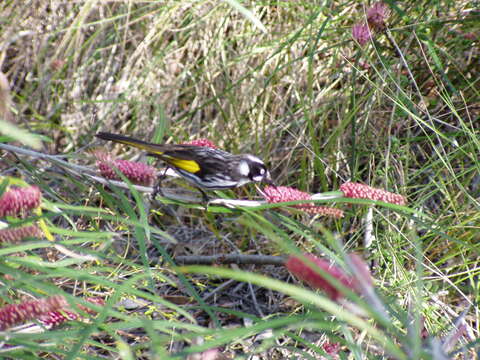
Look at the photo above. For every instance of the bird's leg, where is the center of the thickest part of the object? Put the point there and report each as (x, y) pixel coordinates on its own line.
(157, 189)
(205, 197)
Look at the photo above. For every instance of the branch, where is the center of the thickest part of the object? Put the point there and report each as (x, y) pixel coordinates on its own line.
(56, 159)
(230, 259)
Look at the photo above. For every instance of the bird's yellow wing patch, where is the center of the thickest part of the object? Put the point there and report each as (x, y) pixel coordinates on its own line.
(188, 165)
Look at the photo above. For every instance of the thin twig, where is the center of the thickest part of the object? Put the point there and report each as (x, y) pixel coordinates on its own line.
(230, 259)
(219, 288)
(71, 254)
(231, 203)
(52, 158)
(255, 302)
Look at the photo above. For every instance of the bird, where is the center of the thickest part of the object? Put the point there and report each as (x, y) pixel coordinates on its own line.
(204, 167)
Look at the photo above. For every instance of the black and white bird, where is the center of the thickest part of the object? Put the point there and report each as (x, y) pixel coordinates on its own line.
(204, 167)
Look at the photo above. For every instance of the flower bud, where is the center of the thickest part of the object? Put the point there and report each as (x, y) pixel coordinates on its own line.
(278, 194)
(361, 191)
(18, 200)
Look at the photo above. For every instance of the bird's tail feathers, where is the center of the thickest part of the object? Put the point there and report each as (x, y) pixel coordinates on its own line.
(154, 149)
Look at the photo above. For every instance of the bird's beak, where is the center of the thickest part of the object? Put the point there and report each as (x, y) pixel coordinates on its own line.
(268, 179)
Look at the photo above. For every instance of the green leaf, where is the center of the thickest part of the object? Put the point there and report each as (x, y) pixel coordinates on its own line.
(247, 13)
(18, 134)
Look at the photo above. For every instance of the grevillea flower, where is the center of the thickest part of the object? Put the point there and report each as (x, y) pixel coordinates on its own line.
(15, 235)
(423, 331)
(55, 318)
(94, 300)
(362, 281)
(202, 142)
(331, 349)
(361, 191)
(308, 274)
(211, 354)
(376, 16)
(14, 314)
(470, 36)
(278, 194)
(361, 33)
(136, 172)
(57, 64)
(18, 200)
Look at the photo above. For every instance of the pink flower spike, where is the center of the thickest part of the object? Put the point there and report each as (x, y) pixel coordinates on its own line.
(363, 278)
(361, 191)
(18, 200)
(323, 210)
(361, 33)
(278, 194)
(332, 349)
(376, 15)
(211, 354)
(202, 142)
(14, 314)
(470, 36)
(15, 235)
(93, 300)
(312, 277)
(56, 318)
(136, 172)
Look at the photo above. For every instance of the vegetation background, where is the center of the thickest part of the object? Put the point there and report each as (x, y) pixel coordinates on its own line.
(285, 81)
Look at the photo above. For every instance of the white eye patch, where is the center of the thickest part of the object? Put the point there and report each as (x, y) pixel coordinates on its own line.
(262, 171)
(254, 159)
(243, 168)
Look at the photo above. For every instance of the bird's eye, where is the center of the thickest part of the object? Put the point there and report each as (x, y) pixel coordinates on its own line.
(262, 171)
